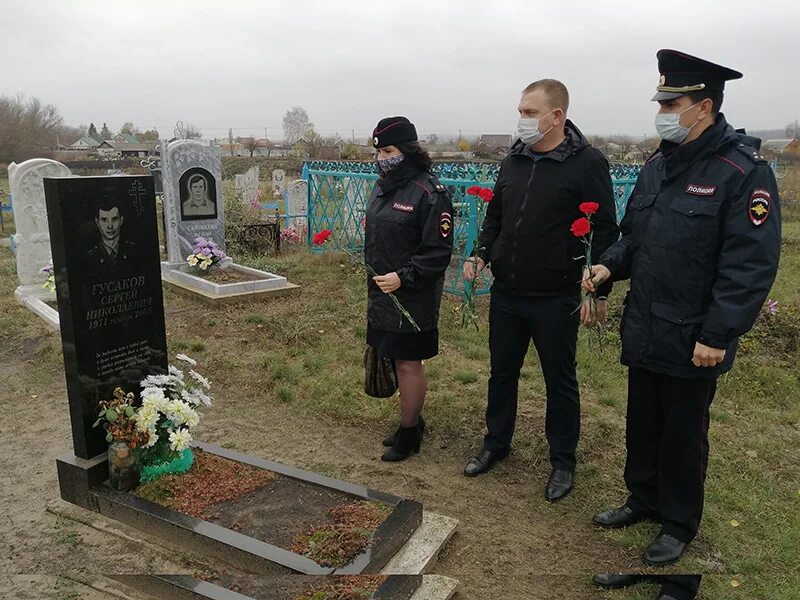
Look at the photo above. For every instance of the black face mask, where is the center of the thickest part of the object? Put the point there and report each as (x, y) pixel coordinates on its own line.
(387, 164)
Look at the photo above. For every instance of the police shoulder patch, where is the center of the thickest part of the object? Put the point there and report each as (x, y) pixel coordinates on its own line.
(445, 224)
(759, 206)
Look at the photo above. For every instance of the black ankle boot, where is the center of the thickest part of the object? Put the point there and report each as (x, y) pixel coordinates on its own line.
(389, 440)
(407, 441)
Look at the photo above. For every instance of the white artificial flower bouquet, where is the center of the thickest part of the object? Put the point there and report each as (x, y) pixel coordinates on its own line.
(170, 411)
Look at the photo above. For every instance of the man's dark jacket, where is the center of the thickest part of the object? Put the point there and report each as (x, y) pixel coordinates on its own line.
(526, 237)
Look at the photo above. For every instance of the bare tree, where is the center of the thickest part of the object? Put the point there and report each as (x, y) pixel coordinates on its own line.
(146, 136)
(793, 130)
(28, 128)
(250, 144)
(105, 133)
(190, 132)
(296, 125)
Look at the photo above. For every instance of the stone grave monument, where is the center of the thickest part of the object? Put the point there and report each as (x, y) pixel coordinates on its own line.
(33, 237)
(104, 238)
(297, 205)
(247, 187)
(194, 208)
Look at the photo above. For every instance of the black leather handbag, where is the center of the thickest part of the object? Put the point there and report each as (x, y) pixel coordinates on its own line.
(380, 377)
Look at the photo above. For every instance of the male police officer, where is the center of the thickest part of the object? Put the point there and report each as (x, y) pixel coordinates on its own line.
(700, 244)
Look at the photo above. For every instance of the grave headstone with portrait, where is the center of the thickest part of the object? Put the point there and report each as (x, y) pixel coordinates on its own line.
(193, 204)
(194, 208)
(104, 239)
(32, 234)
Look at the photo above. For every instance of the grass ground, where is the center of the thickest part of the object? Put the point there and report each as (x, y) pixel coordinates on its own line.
(288, 379)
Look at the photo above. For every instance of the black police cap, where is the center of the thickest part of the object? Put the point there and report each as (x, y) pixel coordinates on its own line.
(683, 73)
(393, 130)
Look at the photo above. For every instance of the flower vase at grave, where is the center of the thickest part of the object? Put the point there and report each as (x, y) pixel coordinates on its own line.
(123, 466)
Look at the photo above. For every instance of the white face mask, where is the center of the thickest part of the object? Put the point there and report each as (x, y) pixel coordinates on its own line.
(528, 130)
(669, 128)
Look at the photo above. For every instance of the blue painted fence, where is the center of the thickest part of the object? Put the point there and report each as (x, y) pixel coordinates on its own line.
(338, 194)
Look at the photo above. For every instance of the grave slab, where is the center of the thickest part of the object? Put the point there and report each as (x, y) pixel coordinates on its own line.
(194, 207)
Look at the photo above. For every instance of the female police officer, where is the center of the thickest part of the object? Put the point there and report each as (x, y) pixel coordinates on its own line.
(408, 242)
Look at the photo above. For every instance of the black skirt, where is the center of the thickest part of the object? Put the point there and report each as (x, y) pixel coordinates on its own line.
(404, 346)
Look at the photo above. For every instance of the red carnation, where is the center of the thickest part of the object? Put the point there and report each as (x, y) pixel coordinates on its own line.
(474, 190)
(589, 208)
(581, 227)
(485, 194)
(321, 237)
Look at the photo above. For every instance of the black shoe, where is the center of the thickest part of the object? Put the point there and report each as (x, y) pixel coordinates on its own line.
(616, 581)
(620, 517)
(559, 484)
(485, 460)
(407, 442)
(665, 550)
(389, 440)
(665, 597)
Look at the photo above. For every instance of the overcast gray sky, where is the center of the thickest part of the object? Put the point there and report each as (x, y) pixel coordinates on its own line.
(447, 65)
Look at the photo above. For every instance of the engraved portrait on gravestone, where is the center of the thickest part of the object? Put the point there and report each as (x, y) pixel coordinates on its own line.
(111, 254)
(198, 195)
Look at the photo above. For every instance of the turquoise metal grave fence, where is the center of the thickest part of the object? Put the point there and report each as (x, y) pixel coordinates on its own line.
(338, 194)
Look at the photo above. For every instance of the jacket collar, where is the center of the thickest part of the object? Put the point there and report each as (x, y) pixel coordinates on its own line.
(678, 158)
(574, 140)
(398, 177)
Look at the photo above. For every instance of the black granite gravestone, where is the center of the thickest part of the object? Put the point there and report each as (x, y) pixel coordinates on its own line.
(104, 240)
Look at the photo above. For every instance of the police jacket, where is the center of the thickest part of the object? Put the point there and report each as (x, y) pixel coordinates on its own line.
(408, 230)
(526, 234)
(700, 243)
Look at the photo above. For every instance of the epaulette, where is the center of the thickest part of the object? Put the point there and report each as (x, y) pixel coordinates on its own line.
(437, 185)
(750, 152)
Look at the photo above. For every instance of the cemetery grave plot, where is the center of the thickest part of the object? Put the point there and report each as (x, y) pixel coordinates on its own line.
(263, 517)
(107, 275)
(329, 527)
(194, 211)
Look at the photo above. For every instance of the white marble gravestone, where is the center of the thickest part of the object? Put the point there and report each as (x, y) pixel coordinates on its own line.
(30, 216)
(297, 205)
(247, 186)
(193, 202)
(279, 181)
(33, 234)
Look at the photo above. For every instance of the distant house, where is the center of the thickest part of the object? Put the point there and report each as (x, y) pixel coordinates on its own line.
(780, 146)
(126, 137)
(493, 145)
(85, 143)
(125, 149)
(497, 141)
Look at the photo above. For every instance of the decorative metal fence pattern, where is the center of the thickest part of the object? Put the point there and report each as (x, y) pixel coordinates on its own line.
(338, 194)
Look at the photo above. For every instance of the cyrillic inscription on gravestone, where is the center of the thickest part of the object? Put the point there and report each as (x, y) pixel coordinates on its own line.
(104, 241)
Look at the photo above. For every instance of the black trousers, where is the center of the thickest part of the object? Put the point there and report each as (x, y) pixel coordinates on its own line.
(680, 587)
(667, 446)
(552, 324)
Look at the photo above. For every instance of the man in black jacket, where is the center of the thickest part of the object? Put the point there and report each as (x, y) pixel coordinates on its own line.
(700, 244)
(536, 262)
